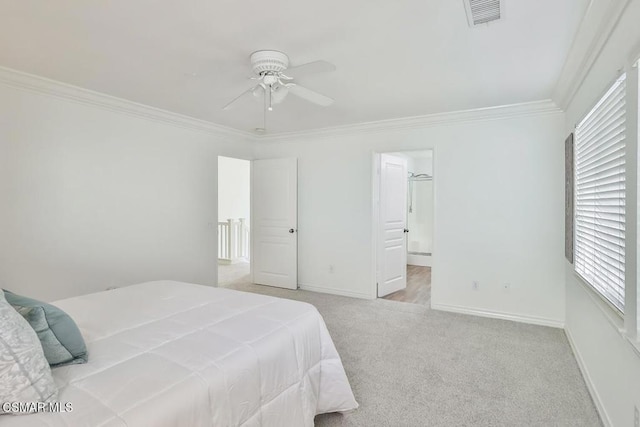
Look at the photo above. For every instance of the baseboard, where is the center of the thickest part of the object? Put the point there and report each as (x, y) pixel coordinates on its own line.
(227, 261)
(533, 320)
(604, 417)
(419, 260)
(335, 291)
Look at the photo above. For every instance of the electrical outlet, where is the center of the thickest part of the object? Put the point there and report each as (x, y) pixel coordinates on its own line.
(475, 285)
(636, 417)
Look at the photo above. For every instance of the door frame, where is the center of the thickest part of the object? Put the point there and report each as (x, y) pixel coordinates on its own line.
(375, 216)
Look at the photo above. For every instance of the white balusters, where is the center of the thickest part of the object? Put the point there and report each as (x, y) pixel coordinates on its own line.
(243, 239)
(233, 241)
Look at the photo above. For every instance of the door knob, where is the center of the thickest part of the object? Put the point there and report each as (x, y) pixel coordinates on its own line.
(406, 230)
(291, 230)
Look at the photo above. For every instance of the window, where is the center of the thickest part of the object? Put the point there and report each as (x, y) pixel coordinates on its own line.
(600, 196)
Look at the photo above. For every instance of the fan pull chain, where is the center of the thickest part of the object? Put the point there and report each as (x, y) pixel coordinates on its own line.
(264, 121)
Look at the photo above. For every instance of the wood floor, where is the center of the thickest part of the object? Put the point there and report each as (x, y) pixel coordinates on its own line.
(418, 289)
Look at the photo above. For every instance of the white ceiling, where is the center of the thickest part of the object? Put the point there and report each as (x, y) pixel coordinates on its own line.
(394, 58)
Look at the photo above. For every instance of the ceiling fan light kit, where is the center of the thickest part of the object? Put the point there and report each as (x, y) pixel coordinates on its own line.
(275, 80)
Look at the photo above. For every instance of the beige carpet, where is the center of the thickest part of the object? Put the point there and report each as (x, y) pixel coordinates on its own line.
(412, 366)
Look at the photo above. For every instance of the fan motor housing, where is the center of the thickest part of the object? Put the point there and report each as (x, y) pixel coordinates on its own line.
(269, 61)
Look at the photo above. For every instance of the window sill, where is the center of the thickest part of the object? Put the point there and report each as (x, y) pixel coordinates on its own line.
(635, 344)
(612, 315)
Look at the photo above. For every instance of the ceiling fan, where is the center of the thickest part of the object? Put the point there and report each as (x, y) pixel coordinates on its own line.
(276, 79)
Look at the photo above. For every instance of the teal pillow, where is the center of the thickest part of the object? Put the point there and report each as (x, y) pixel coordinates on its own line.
(58, 333)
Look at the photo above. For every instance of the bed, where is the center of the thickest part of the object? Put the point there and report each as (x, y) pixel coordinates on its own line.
(175, 354)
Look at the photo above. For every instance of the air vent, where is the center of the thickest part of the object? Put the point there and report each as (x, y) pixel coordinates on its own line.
(483, 11)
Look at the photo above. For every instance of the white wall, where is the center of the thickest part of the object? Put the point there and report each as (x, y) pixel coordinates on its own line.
(498, 212)
(423, 164)
(234, 188)
(420, 221)
(93, 198)
(609, 362)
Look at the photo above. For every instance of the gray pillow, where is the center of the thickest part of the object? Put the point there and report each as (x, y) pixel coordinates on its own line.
(60, 337)
(25, 375)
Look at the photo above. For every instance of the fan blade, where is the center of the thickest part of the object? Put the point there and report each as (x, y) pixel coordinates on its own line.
(309, 68)
(237, 98)
(310, 95)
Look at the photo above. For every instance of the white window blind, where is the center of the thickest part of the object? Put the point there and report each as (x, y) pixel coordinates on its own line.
(600, 196)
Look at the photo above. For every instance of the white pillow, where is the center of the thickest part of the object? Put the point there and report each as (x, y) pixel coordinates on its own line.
(25, 375)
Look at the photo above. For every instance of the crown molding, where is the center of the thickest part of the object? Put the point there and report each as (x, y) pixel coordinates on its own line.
(44, 86)
(575, 71)
(430, 120)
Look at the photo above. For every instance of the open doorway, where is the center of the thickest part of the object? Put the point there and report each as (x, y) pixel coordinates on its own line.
(405, 226)
(234, 232)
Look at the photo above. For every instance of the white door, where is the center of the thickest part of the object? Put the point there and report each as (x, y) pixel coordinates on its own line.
(392, 260)
(274, 219)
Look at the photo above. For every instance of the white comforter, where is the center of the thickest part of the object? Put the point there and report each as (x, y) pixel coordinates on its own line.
(175, 354)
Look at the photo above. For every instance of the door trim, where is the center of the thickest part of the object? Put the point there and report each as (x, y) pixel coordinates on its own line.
(375, 221)
(251, 222)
